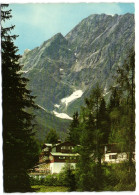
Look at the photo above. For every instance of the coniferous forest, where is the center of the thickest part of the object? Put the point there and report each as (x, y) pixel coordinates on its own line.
(100, 121)
(99, 124)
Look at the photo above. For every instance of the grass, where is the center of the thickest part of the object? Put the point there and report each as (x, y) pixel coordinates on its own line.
(42, 188)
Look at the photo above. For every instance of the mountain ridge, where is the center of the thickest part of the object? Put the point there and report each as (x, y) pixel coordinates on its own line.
(88, 54)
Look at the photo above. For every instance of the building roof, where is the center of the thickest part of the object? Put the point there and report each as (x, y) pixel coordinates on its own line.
(63, 143)
(58, 144)
(111, 153)
(63, 154)
(46, 144)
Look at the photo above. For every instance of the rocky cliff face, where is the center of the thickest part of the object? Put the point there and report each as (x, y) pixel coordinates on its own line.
(63, 70)
(44, 67)
(101, 43)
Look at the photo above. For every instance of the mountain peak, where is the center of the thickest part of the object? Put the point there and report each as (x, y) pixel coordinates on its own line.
(58, 35)
(58, 38)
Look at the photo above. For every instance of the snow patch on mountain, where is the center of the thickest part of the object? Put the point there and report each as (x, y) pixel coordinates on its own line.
(57, 105)
(75, 95)
(62, 115)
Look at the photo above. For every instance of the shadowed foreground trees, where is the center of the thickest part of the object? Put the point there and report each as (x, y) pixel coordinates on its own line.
(74, 133)
(101, 124)
(20, 151)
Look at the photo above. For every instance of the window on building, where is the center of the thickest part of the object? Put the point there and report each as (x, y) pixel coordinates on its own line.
(120, 156)
(73, 157)
(61, 157)
(66, 147)
(113, 157)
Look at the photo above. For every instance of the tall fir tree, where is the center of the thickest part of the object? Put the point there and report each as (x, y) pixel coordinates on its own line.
(94, 134)
(20, 151)
(74, 130)
(115, 113)
(52, 137)
(104, 121)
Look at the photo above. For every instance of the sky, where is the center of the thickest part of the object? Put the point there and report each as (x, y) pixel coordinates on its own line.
(36, 23)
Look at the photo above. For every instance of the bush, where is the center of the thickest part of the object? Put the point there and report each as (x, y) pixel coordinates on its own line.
(68, 177)
(120, 177)
(115, 177)
(36, 180)
(49, 180)
(65, 178)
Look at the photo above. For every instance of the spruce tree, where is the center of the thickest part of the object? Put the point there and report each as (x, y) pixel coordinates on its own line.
(115, 114)
(104, 121)
(52, 137)
(94, 127)
(69, 177)
(74, 131)
(20, 151)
